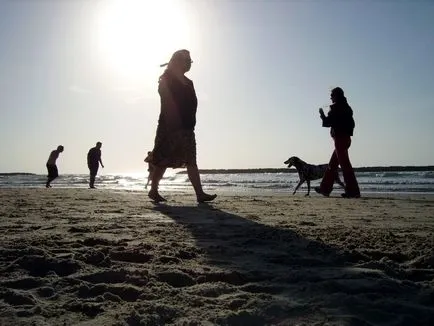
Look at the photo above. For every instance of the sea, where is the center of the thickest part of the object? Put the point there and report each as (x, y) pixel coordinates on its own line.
(386, 182)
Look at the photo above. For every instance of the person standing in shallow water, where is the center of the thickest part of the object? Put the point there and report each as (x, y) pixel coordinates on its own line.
(93, 162)
(341, 123)
(53, 173)
(175, 141)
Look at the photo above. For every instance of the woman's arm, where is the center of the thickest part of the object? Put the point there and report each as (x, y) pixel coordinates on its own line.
(326, 120)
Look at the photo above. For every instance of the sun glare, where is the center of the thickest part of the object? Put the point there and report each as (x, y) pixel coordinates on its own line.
(135, 36)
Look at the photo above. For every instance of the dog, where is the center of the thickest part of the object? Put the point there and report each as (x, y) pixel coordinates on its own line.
(308, 172)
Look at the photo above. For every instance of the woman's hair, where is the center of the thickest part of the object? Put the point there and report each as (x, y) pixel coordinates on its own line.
(338, 95)
(338, 92)
(178, 58)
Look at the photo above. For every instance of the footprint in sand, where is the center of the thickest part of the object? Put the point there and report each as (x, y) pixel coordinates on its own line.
(15, 298)
(41, 265)
(123, 292)
(130, 256)
(176, 279)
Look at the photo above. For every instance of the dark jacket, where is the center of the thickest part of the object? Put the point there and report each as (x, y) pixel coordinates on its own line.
(93, 157)
(183, 95)
(339, 119)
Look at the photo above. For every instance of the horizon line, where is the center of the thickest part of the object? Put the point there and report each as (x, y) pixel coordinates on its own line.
(374, 168)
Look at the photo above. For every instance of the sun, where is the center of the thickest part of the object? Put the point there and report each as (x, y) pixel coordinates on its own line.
(135, 36)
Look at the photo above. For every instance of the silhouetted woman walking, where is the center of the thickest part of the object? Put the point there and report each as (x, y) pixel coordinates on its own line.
(175, 142)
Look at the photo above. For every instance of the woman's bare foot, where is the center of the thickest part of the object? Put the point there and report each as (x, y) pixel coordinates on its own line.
(205, 197)
(155, 196)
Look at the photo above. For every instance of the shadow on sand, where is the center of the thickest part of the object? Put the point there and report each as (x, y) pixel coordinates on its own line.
(295, 280)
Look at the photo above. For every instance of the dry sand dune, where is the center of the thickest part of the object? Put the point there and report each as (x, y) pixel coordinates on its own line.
(83, 257)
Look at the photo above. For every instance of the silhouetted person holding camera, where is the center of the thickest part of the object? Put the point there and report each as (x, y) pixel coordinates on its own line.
(341, 123)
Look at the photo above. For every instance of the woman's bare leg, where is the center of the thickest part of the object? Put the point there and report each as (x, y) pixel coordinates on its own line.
(157, 175)
(193, 175)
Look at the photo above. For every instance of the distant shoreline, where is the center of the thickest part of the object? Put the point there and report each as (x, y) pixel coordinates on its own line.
(424, 168)
(292, 170)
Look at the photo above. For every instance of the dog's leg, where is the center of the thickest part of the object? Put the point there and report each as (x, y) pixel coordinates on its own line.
(308, 187)
(298, 186)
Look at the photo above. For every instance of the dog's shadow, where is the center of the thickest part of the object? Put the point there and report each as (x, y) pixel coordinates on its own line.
(280, 262)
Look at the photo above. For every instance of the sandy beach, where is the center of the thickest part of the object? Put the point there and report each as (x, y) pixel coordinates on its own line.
(83, 257)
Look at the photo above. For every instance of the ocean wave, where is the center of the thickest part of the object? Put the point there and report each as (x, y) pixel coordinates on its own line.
(400, 175)
(427, 190)
(428, 174)
(396, 182)
(245, 181)
(272, 186)
(389, 174)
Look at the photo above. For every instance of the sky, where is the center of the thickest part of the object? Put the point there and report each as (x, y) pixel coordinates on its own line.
(75, 72)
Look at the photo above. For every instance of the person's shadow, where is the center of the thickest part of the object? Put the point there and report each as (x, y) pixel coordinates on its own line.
(292, 279)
